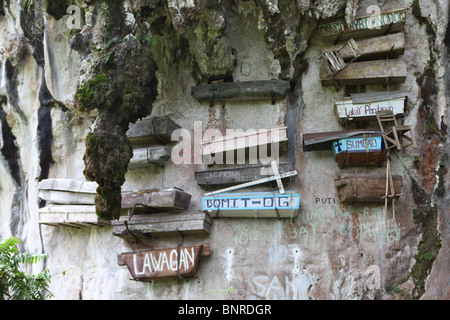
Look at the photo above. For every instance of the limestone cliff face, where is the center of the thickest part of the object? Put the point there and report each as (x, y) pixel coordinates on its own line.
(70, 85)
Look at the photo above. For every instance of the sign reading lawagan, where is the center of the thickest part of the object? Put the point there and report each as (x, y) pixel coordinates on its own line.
(164, 263)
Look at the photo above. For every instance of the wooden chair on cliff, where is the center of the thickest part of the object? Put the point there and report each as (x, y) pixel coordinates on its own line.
(393, 133)
(333, 61)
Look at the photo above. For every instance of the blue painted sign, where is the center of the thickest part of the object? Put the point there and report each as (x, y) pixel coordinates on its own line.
(257, 204)
(355, 145)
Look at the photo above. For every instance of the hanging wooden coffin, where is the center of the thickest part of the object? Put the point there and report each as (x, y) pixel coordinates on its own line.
(324, 140)
(247, 139)
(252, 204)
(167, 199)
(169, 263)
(367, 72)
(67, 191)
(364, 106)
(150, 156)
(389, 21)
(365, 188)
(242, 91)
(233, 175)
(157, 130)
(162, 224)
(77, 216)
(363, 150)
(373, 48)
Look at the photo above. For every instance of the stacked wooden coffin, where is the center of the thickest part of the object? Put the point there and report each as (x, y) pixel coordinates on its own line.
(69, 203)
(150, 139)
(72, 203)
(366, 52)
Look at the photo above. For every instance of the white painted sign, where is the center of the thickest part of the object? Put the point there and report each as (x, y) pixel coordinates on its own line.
(346, 109)
(253, 204)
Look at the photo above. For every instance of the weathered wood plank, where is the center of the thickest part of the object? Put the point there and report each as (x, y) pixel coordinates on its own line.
(367, 72)
(247, 139)
(150, 156)
(242, 91)
(374, 48)
(365, 188)
(252, 204)
(233, 175)
(70, 215)
(162, 225)
(392, 21)
(323, 140)
(167, 199)
(156, 130)
(152, 265)
(365, 106)
(67, 191)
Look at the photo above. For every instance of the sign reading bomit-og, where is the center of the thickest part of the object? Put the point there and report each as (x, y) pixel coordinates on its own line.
(253, 204)
(362, 150)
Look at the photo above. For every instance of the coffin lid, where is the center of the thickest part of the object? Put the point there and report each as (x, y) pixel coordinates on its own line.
(359, 98)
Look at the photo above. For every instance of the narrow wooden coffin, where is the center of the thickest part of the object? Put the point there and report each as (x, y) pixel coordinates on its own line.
(365, 188)
(162, 224)
(77, 216)
(373, 48)
(234, 175)
(167, 199)
(156, 130)
(364, 106)
(150, 156)
(389, 21)
(242, 91)
(67, 191)
(160, 264)
(252, 204)
(367, 72)
(362, 150)
(246, 139)
(324, 140)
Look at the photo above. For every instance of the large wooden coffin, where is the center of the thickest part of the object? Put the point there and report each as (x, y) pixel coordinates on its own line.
(389, 21)
(67, 191)
(373, 48)
(73, 192)
(365, 188)
(367, 72)
(162, 224)
(150, 156)
(234, 175)
(156, 130)
(360, 150)
(252, 204)
(247, 139)
(165, 199)
(160, 264)
(324, 140)
(77, 216)
(242, 91)
(364, 106)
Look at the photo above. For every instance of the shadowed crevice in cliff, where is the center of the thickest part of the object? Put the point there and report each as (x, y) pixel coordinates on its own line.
(9, 149)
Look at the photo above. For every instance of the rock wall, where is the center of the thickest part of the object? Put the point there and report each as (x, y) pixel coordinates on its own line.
(329, 251)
